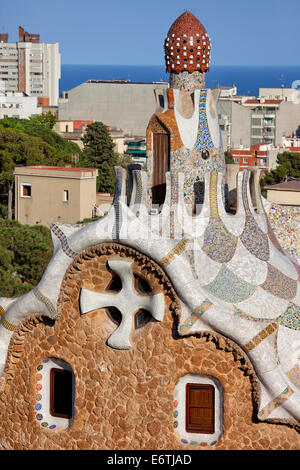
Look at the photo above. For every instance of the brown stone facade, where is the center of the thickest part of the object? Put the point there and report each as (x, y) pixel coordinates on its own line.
(124, 398)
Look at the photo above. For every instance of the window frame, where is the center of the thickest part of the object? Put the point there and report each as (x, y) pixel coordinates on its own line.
(200, 429)
(22, 190)
(66, 195)
(53, 371)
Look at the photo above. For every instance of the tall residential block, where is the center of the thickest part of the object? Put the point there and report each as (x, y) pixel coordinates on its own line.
(30, 66)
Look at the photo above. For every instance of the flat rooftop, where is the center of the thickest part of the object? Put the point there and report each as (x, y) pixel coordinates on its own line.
(66, 171)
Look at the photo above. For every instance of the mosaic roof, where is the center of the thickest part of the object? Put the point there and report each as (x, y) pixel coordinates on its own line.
(187, 45)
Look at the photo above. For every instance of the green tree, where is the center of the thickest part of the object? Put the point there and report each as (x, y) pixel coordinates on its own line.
(288, 166)
(98, 152)
(45, 119)
(124, 160)
(32, 127)
(228, 157)
(24, 255)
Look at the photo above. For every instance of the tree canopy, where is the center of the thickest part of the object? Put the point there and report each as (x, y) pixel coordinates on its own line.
(46, 119)
(98, 152)
(228, 157)
(24, 255)
(288, 166)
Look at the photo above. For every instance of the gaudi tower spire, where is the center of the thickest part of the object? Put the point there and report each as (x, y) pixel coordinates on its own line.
(187, 53)
(184, 135)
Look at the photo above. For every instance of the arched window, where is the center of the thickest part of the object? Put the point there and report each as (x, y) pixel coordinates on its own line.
(55, 386)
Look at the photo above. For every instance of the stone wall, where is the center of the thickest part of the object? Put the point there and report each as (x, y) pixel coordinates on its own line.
(124, 399)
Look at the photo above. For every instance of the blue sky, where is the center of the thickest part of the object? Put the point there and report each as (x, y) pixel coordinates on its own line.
(132, 32)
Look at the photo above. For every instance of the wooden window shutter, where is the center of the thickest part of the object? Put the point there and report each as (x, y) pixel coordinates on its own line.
(200, 408)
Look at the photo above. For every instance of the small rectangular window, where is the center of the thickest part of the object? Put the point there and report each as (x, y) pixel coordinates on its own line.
(61, 393)
(66, 195)
(25, 190)
(245, 160)
(200, 408)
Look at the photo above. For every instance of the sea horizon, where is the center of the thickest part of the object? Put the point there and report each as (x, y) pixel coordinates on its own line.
(247, 78)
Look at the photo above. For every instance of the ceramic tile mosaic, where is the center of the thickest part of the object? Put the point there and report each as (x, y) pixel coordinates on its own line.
(197, 313)
(50, 307)
(187, 45)
(63, 240)
(279, 285)
(294, 375)
(188, 160)
(219, 244)
(229, 287)
(263, 334)
(187, 81)
(276, 402)
(284, 225)
(291, 317)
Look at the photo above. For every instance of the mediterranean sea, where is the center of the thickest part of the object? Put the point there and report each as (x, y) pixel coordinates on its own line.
(248, 79)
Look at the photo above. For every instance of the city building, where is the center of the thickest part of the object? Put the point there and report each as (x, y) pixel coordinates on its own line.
(261, 155)
(166, 329)
(291, 143)
(117, 103)
(75, 130)
(44, 194)
(234, 121)
(283, 94)
(17, 104)
(30, 66)
(136, 148)
(246, 121)
(72, 130)
(263, 119)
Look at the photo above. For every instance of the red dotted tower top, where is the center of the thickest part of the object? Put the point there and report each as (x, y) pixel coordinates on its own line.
(187, 45)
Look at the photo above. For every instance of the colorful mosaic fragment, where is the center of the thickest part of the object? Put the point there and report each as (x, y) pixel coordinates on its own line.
(63, 240)
(219, 244)
(197, 313)
(179, 248)
(42, 298)
(7, 325)
(291, 317)
(294, 375)
(279, 284)
(284, 229)
(253, 238)
(263, 334)
(229, 287)
(187, 81)
(278, 401)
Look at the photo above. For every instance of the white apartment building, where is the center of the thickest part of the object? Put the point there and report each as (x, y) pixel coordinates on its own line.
(284, 94)
(30, 66)
(17, 104)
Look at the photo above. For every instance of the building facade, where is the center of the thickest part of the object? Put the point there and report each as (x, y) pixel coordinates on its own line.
(47, 194)
(30, 66)
(122, 104)
(262, 156)
(17, 104)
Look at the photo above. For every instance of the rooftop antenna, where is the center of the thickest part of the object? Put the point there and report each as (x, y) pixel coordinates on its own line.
(282, 79)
